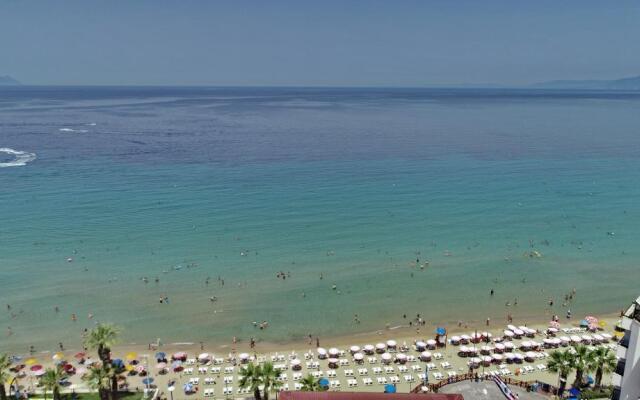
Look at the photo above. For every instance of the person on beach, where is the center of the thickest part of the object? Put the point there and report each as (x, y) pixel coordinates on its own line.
(317, 342)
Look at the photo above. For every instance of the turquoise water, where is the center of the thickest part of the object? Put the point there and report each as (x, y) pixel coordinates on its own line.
(213, 187)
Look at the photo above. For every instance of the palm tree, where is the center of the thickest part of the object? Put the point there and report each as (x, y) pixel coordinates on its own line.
(4, 375)
(269, 379)
(99, 378)
(51, 381)
(310, 384)
(603, 361)
(250, 377)
(562, 363)
(102, 338)
(580, 363)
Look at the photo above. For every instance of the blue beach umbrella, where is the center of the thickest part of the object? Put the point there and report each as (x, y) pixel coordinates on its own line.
(389, 388)
(160, 356)
(441, 331)
(188, 388)
(324, 382)
(118, 363)
(584, 323)
(147, 381)
(574, 392)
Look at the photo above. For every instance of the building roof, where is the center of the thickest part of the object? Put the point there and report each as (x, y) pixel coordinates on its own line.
(366, 396)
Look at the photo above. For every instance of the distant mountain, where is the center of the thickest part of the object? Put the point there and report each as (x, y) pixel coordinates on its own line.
(632, 83)
(7, 80)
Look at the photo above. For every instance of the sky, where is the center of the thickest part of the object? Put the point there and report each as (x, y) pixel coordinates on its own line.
(317, 43)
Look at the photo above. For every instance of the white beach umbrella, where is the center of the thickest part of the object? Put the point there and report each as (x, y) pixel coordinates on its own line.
(381, 346)
(565, 339)
(465, 337)
(391, 343)
(369, 348)
(455, 339)
(530, 355)
(354, 349)
(386, 358)
(598, 338)
(333, 360)
(556, 341)
(425, 356)
(607, 336)
(508, 333)
(358, 356)
(401, 358)
(475, 360)
(486, 359)
(518, 332)
(295, 362)
(204, 357)
(420, 345)
(511, 327)
(508, 345)
(431, 342)
(322, 353)
(496, 357)
(486, 349)
(587, 338)
(509, 356)
(464, 349)
(333, 351)
(552, 330)
(575, 339)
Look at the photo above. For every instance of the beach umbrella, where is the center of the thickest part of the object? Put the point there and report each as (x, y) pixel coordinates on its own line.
(161, 365)
(496, 357)
(420, 345)
(187, 387)
(508, 333)
(36, 367)
(139, 369)
(554, 324)
(160, 355)
(147, 381)
(30, 361)
(508, 345)
(324, 382)
(180, 355)
(80, 356)
(431, 342)
(58, 356)
(575, 338)
(584, 323)
(441, 331)
(358, 356)
(354, 349)
(401, 357)
(117, 363)
(386, 357)
(132, 355)
(607, 336)
(368, 348)
(380, 347)
(333, 351)
(425, 356)
(39, 372)
(295, 362)
(203, 357)
(518, 332)
(129, 367)
(391, 343)
(388, 388)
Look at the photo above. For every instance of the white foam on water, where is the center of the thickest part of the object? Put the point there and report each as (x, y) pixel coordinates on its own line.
(21, 157)
(73, 130)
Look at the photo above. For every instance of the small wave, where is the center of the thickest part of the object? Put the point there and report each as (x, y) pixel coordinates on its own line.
(73, 130)
(20, 157)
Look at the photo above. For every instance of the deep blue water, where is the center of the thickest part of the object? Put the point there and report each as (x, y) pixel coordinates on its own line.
(354, 184)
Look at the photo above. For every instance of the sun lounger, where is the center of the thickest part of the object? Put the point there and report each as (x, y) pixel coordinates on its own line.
(352, 383)
(409, 378)
(215, 370)
(348, 372)
(437, 356)
(452, 373)
(331, 373)
(228, 370)
(363, 371)
(227, 390)
(388, 370)
(377, 370)
(372, 360)
(297, 386)
(394, 379)
(297, 376)
(402, 368)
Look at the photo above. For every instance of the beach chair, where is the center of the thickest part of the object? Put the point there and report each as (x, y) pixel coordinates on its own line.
(372, 360)
(367, 381)
(451, 374)
(228, 370)
(227, 390)
(297, 376)
(285, 387)
(297, 386)
(343, 362)
(331, 373)
(215, 370)
(376, 370)
(402, 368)
(394, 379)
(363, 371)
(388, 370)
(409, 378)
(437, 356)
(228, 379)
(348, 372)
(411, 358)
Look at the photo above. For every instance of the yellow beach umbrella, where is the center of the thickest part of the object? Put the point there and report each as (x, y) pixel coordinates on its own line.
(132, 355)
(603, 324)
(58, 356)
(129, 367)
(31, 361)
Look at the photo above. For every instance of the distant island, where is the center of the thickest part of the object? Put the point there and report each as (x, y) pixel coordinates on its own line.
(7, 80)
(632, 83)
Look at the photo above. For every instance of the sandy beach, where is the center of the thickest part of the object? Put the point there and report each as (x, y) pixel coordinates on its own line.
(407, 375)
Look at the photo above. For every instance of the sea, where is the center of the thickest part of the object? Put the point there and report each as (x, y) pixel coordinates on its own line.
(278, 213)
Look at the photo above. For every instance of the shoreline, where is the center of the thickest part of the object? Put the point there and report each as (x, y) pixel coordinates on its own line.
(398, 333)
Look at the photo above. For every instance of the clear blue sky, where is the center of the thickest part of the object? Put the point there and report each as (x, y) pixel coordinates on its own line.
(321, 42)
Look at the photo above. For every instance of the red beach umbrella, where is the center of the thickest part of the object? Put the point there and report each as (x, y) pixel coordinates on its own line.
(36, 367)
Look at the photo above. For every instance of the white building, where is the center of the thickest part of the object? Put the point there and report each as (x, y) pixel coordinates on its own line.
(626, 379)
